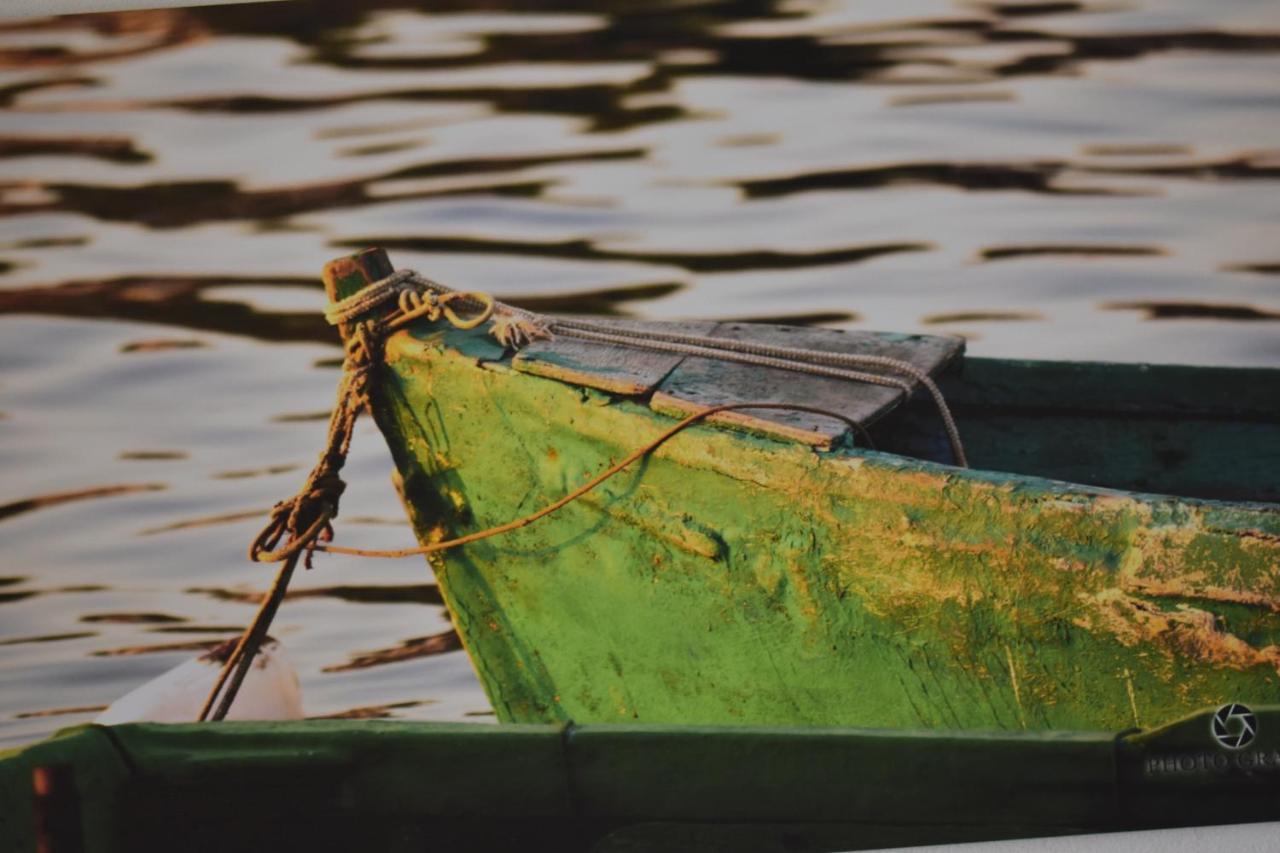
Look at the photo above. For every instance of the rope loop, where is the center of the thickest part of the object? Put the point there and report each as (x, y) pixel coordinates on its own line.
(415, 304)
(447, 300)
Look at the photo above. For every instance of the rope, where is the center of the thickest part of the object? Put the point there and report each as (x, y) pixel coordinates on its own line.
(305, 519)
(304, 523)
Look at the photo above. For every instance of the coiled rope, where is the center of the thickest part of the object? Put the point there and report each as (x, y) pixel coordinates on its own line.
(304, 522)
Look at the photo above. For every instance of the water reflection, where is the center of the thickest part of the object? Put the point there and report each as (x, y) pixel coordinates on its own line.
(415, 647)
(1193, 310)
(1049, 179)
(705, 262)
(997, 253)
(350, 593)
(46, 638)
(113, 150)
(192, 646)
(132, 618)
(58, 712)
(56, 499)
(152, 455)
(373, 712)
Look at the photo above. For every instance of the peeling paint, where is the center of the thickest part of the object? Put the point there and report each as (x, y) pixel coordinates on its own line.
(1183, 631)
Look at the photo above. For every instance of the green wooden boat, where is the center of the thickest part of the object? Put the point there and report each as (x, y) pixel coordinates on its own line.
(1110, 560)
(395, 786)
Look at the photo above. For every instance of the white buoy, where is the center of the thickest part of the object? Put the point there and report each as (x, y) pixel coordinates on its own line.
(270, 691)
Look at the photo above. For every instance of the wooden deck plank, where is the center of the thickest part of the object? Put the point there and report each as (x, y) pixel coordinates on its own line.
(682, 385)
(700, 383)
(618, 370)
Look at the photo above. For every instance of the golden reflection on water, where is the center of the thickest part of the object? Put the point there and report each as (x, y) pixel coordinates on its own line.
(1056, 180)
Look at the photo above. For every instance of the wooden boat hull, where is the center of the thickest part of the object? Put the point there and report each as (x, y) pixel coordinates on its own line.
(382, 785)
(734, 578)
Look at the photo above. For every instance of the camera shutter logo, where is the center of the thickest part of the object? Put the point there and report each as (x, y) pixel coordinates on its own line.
(1234, 726)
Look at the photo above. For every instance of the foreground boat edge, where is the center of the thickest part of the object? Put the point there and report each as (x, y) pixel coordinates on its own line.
(404, 785)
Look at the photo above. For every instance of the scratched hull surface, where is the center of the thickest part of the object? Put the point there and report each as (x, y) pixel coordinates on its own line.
(732, 578)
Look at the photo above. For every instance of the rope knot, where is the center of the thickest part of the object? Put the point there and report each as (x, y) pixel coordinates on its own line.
(414, 304)
(306, 519)
(415, 297)
(363, 346)
(432, 305)
(318, 501)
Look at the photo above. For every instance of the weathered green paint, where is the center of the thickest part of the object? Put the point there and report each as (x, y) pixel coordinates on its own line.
(733, 578)
(339, 785)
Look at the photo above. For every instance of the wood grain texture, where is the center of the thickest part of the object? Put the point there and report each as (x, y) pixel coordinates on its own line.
(629, 371)
(700, 383)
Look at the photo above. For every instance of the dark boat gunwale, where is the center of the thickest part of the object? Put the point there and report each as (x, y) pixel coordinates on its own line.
(321, 784)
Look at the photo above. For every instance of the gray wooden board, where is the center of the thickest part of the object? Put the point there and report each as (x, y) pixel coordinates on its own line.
(682, 385)
(699, 383)
(617, 369)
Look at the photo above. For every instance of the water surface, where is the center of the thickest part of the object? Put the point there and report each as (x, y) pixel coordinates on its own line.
(1050, 180)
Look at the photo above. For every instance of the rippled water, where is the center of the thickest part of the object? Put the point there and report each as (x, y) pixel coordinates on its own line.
(1049, 179)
